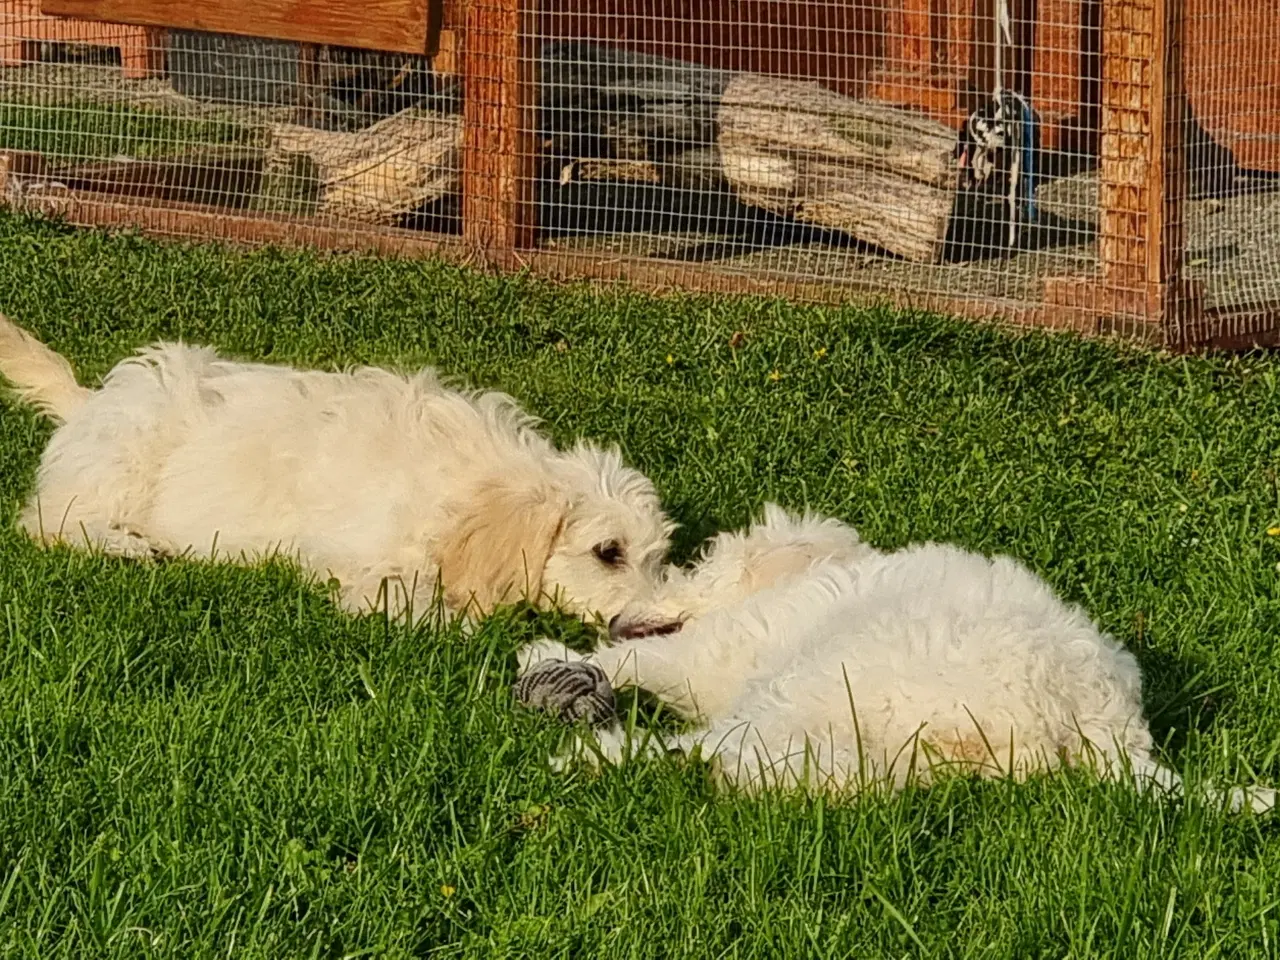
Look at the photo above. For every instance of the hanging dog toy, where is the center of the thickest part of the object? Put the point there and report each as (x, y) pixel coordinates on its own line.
(998, 142)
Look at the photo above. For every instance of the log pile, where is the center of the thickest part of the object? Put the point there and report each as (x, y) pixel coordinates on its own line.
(796, 149)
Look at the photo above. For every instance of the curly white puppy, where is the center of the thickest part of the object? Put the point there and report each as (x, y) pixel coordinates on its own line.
(804, 655)
(367, 477)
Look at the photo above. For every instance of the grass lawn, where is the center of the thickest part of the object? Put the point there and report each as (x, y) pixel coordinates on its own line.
(201, 761)
(89, 131)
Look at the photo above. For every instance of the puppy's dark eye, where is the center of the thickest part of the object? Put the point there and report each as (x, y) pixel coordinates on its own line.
(608, 553)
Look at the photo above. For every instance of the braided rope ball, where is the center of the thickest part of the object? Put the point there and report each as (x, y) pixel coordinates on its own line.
(572, 691)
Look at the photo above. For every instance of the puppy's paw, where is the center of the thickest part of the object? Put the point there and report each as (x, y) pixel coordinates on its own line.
(128, 545)
(1257, 799)
(576, 751)
(611, 744)
(545, 649)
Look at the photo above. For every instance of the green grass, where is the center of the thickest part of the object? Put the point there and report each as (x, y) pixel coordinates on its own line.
(209, 761)
(90, 131)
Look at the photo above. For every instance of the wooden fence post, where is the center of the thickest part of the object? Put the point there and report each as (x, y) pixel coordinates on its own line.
(1142, 168)
(498, 162)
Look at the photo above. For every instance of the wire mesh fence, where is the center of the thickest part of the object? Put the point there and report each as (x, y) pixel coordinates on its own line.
(1231, 139)
(1102, 165)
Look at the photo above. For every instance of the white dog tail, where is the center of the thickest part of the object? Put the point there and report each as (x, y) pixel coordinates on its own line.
(39, 376)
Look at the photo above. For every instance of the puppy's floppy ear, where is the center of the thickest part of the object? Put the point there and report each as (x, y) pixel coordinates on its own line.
(496, 545)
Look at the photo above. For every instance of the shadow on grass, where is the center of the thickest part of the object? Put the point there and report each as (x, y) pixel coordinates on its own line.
(1179, 699)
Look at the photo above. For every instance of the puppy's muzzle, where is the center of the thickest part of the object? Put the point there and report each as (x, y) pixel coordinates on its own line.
(620, 629)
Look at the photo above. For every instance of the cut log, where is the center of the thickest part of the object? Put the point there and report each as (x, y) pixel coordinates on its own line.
(797, 150)
(378, 174)
(601, 104)
(593, 91)
(874, 172)
(878, 173)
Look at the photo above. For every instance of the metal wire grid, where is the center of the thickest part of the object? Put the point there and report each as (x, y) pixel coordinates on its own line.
(736, 144)
(1231, 134)
(695, 133)
(241, 130)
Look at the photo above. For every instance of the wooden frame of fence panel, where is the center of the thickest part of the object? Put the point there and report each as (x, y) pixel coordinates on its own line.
(402, 26)
(1139, 291)
(1141, 163)
(498, 163)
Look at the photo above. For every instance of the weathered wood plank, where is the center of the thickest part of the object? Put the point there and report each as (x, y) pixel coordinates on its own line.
(227, 176)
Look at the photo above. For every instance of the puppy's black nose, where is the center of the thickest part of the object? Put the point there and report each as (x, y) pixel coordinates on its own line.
(614, 622)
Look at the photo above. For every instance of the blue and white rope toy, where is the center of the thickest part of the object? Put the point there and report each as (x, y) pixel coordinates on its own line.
(999, 142)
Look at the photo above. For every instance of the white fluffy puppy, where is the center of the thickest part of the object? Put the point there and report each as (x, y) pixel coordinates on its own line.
(804, 655)
(367, 477)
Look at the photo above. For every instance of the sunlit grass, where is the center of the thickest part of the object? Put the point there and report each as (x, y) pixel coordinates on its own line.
(211, 761)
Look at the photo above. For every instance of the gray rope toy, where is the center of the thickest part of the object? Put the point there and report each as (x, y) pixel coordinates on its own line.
(572, 691)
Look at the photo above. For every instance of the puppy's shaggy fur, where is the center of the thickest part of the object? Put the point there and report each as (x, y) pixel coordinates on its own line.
(804, 655)
(367, 476)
